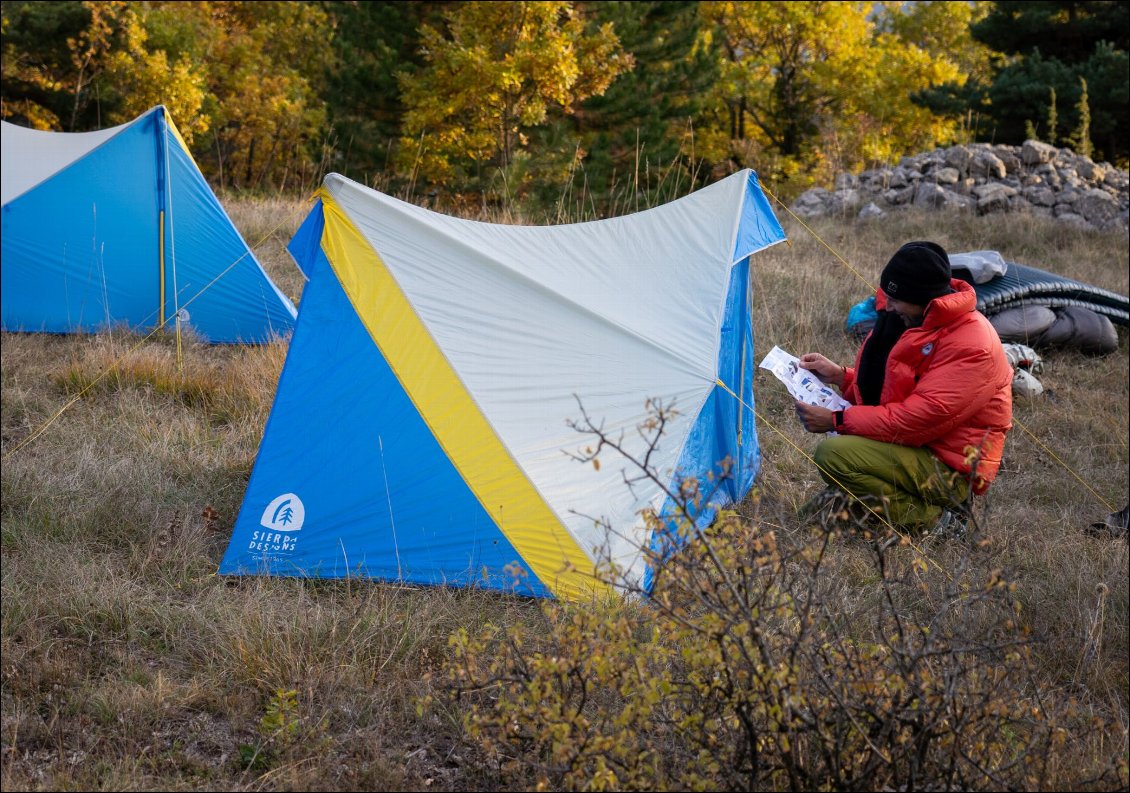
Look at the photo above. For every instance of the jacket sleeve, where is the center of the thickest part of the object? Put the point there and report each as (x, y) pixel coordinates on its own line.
(846, 389)
(959, 385)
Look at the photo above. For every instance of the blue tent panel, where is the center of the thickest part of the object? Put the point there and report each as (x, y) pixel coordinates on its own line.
(395, 507)
(305, 243)
(759, 227)
(229, 296)
(722, 450)
(78, 250)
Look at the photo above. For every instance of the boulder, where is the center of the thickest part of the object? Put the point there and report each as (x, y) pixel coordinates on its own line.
(1034, 151)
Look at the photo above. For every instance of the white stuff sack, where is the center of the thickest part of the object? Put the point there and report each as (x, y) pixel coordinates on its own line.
(983, 265)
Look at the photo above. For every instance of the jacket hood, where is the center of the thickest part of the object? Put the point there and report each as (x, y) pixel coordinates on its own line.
(945, 309)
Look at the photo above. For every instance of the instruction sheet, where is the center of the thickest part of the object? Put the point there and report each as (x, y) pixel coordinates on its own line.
(802, 384)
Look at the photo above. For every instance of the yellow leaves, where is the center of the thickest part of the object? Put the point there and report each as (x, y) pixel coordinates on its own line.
(797, 79)
(502, 69)
(144, 78)
(95, 41)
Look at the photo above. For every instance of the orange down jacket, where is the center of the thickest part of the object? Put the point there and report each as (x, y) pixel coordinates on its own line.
(947, 387)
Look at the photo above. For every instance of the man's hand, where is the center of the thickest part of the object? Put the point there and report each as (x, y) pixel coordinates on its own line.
(831, 373)
(815, 418)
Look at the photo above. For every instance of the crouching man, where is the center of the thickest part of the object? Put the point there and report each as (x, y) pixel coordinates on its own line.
(930, 394)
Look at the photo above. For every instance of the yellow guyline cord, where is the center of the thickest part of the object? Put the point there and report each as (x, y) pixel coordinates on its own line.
(114, 365)
(792, 443)
(872, 288)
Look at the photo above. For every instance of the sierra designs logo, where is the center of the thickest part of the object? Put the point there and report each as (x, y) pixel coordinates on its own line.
(285, 513)
(282, 517)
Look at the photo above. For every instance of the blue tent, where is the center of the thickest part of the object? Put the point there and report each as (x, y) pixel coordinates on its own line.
(424, 427)
(119, 228)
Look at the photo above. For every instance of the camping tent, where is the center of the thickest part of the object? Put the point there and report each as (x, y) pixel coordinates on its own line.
(119, 227)
(420, 431)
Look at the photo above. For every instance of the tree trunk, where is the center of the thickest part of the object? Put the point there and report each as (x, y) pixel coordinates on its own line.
(250, 160)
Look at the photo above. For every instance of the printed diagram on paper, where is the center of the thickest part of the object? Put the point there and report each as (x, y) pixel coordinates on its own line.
(802, 384)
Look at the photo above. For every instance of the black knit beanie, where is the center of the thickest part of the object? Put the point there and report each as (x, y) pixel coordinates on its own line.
(917, 273)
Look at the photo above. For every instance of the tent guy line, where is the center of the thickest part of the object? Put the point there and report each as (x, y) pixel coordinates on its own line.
(871, 287)
(118, 361)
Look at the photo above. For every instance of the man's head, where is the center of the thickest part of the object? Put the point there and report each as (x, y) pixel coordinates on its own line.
(915, 275)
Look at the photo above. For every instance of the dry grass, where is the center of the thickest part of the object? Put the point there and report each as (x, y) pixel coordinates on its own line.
(128, 665)
(1066, 461)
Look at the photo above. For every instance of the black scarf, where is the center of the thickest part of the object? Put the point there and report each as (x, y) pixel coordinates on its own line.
(873, 359)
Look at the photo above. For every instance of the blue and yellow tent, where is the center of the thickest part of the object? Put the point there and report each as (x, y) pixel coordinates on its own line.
(119, 228)
(421, 429)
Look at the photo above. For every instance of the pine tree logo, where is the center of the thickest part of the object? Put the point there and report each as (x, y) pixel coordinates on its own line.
(285, 513)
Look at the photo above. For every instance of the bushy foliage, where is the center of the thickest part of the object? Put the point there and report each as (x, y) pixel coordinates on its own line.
(741, 673)
(741, 669)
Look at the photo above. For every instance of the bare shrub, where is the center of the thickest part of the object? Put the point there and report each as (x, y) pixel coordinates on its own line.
(743, 670)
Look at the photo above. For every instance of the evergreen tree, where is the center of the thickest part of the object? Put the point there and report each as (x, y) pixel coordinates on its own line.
(1107, 73)
(1052, 46)
(644, 124)
(1053, 117)
(1064, 30)
(1019, 93)
(1080, 139)
(372, 42)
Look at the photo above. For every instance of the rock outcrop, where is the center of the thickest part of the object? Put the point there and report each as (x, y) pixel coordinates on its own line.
(984, 178)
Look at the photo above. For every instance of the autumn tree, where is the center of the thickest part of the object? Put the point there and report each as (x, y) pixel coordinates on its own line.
(372, 42)
(913, 46)
(135, 78)
(81, 66)
(806, 88)
(242, 80)
(52, 55)
(263, 66)
(493, 73)
(943, 30)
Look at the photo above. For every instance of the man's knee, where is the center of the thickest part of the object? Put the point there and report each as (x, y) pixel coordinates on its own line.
(833, 454)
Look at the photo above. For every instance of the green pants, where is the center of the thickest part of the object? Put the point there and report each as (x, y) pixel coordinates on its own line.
(913, 484)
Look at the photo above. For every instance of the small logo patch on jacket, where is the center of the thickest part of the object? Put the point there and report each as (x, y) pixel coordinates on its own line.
(927, 349)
